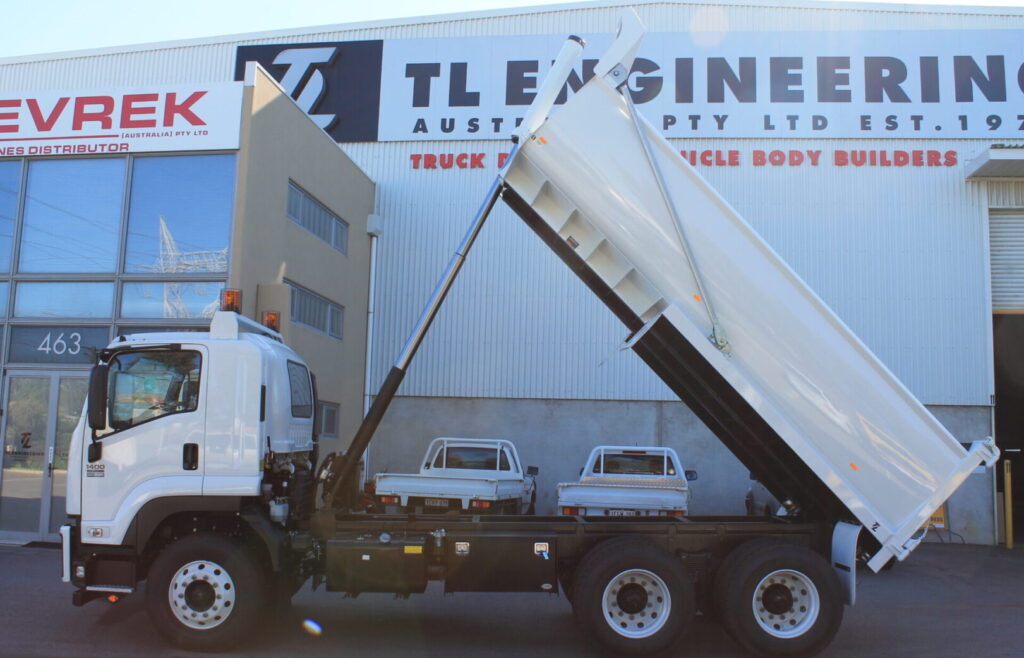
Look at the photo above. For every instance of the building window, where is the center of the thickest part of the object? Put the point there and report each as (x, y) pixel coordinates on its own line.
(65, 299)
(170, 299)
(10, 190)
(313, 311)
(179, 216)
(72, 215)
(328, 420)
(313, 216)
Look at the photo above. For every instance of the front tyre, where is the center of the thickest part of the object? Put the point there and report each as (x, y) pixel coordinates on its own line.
(205, 593)
(631, 597)
(779, 599)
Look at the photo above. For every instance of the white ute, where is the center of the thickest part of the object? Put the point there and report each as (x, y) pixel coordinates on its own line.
(628, 481)
(473, 475)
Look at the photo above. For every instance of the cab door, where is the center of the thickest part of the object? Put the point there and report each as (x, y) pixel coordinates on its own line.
(154, 441)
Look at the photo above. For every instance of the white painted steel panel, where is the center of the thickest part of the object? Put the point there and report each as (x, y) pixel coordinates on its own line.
(1006, 230)
(793, 360)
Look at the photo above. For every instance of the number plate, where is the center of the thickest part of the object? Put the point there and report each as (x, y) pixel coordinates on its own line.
(623, 512)
(436, 502)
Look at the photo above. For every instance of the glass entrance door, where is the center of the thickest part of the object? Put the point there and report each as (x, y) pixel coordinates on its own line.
(41, 410)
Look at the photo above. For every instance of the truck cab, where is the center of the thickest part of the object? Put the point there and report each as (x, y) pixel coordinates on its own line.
(182, 431)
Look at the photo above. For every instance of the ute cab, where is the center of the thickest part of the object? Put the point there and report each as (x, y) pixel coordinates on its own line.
(227, 415)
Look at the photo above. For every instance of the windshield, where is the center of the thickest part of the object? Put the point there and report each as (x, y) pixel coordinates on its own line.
(146, 385)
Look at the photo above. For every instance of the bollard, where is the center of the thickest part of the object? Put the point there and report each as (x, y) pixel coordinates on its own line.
(1008, 503)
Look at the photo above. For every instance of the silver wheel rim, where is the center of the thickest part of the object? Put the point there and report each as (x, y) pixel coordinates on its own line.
(201, 594)
(636, 603)
(786, 603)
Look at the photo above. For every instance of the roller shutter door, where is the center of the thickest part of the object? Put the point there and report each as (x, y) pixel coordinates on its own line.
(1006, 232)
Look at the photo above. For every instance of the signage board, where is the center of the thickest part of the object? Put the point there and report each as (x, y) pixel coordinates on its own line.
(809, 84)
(144, 119)
(58, 345)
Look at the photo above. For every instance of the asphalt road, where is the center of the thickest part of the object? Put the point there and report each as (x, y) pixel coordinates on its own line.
(946, 600)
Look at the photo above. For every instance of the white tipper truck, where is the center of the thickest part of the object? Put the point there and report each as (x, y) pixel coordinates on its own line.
(193, 466)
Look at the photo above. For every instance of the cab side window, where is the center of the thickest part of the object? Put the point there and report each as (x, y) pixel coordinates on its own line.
(301, 390)
(144, 386)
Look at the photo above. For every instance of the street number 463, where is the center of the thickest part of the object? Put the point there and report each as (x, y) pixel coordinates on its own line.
(59, 346)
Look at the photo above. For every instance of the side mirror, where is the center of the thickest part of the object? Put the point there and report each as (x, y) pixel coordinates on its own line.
(532, 470)
(690, 475)
(98, 396)
(426, 465)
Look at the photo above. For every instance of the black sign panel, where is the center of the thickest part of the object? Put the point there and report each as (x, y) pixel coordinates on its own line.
(56, 344)
(336, 83)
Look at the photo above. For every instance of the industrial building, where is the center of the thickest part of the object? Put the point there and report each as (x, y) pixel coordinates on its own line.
(875, 147)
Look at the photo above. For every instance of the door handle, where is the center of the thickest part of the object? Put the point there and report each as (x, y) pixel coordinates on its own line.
(190, 456)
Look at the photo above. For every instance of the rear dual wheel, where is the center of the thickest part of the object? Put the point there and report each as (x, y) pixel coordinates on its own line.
(631, 597)
(778, 599)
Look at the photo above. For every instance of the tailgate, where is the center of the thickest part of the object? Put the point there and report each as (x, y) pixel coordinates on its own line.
(797, 397)
(623, 496)
(428, 486)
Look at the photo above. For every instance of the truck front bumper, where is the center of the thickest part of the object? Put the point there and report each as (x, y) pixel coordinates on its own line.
(65, 552)
(94, 574)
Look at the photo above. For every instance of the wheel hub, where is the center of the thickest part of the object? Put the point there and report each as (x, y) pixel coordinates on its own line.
(786, 603)
(632, 598)
(201, 594)
(777, 599)
(636, 603)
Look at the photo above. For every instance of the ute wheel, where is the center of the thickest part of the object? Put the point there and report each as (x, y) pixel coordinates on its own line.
(778, 599)
(205, 593)
(632, 597)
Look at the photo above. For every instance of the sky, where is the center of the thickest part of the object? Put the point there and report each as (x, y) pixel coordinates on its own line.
(47, 26)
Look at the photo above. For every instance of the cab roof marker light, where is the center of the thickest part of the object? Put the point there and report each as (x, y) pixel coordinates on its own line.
(231, 300)
(271, 320)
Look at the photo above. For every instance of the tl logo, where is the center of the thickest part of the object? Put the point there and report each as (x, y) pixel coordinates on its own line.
(304, 82)
(337, 83)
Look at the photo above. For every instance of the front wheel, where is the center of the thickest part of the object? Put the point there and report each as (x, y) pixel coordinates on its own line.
(778, 599)
(631, 597)
(205, 593)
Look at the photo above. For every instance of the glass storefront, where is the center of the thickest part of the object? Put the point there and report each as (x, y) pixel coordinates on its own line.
(90, 247)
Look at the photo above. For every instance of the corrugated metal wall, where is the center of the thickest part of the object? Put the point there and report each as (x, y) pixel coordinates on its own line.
(899, 253)
(1007, 239)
